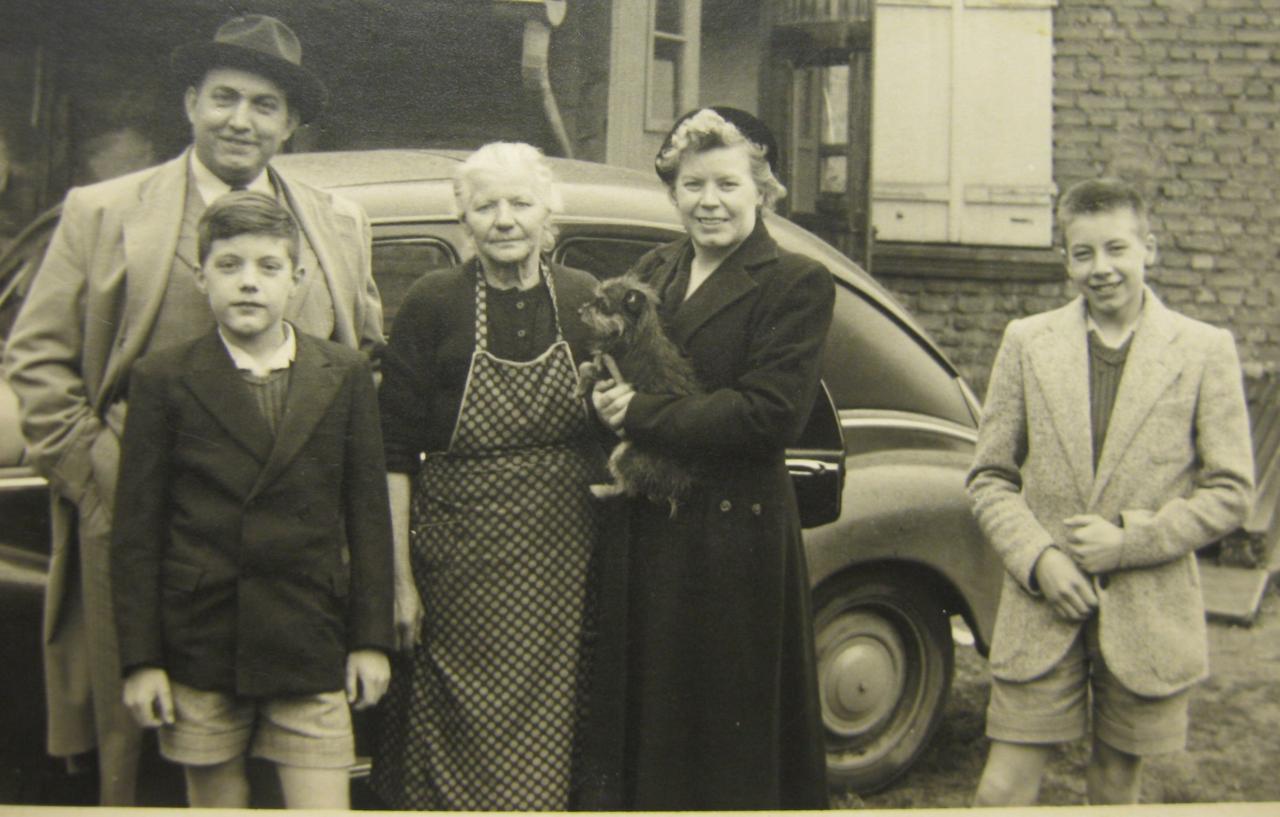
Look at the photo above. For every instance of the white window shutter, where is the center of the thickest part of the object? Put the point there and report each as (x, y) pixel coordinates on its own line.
(963, 123)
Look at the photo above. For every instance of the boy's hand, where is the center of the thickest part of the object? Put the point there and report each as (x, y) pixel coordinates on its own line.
(1069, 591)
(409, 615)
(368, 673)
(1094, 543)
(148, 697)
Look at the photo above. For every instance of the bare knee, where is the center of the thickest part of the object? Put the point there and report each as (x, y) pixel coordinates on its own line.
(310, 788)
(1012, 774)
(221, 785)
(1113, 776)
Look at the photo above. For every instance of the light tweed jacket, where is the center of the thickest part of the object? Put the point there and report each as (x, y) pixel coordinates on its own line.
(1176, 470)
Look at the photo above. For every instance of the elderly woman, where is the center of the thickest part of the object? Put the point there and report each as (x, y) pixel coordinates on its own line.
(490, 454)
(719, 702)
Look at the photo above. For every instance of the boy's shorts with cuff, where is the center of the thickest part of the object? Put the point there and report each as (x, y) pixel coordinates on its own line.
(307, 731)
(1055, 707)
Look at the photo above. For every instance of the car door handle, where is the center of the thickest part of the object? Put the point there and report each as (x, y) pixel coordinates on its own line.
(811, 468)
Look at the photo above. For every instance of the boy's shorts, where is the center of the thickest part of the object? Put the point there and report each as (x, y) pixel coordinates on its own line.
(308, 731)
(1054, 707)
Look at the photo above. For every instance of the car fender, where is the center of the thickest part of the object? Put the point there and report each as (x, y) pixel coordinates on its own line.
(908, 509)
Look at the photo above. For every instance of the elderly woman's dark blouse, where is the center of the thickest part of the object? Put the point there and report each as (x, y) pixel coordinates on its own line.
(426, 363)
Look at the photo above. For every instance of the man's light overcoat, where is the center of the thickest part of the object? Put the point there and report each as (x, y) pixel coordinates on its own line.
(1176, 470)
(86, 319)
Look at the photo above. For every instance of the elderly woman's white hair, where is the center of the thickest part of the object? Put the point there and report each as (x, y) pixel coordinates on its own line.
(515, 158)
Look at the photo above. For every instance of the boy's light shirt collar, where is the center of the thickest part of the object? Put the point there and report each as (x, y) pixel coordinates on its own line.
(281, 358)
(1091, 325)
(210, 187)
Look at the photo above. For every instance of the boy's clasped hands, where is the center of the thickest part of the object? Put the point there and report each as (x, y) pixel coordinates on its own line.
(1093, 547)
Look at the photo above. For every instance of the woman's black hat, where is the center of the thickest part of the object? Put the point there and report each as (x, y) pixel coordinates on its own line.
(747, 124)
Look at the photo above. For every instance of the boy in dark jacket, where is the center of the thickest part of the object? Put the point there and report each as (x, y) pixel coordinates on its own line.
(251, 555)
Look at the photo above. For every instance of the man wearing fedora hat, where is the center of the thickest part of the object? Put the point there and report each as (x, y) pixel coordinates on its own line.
(116, 282)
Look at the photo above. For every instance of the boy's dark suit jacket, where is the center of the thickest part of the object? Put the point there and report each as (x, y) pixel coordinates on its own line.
(241, 562)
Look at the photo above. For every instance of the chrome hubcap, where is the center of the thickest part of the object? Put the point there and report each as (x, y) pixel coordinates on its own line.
(861, 673)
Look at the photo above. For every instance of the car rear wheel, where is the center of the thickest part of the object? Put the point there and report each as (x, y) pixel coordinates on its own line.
(885, 662)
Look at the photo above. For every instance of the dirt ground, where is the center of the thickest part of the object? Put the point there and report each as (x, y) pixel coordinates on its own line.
(1232, 754)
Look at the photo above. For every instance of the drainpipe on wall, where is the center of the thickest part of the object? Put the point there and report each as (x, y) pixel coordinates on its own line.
(540, 16)
(537, 77)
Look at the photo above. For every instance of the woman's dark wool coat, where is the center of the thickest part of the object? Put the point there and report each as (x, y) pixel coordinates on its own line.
(704, 694)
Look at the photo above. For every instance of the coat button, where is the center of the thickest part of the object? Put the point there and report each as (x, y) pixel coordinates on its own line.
(521, 333)
(726, 505)
(756, 509)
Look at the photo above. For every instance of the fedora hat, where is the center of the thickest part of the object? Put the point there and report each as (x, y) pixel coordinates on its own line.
(262, 45)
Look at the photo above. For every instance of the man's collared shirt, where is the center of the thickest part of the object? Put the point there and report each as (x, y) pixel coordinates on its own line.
(281, 358)
(210, 187)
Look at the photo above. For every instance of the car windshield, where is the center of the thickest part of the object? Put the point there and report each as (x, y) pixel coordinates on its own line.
(18, 265)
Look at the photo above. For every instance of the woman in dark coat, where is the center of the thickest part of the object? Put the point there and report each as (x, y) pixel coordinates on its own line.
(712, 700)
(494, 526)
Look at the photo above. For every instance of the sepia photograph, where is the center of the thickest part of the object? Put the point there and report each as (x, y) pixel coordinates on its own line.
(645, 405)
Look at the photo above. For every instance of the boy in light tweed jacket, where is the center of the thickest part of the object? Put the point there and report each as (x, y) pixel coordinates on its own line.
(1114, 442)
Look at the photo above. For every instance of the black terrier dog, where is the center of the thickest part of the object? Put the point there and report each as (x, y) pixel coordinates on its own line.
(631, 347)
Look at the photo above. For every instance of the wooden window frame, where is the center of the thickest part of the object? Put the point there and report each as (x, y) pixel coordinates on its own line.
(653, 122)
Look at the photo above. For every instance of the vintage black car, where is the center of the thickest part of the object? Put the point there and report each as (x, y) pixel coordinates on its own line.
(893, 550)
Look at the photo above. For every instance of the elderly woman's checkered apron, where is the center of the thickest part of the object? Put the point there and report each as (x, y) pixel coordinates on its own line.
(482, 716)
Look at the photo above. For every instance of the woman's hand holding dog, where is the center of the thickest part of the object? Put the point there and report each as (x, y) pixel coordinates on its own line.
(611, 399)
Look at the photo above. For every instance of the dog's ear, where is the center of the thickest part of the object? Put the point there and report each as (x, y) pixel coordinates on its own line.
(633, 302)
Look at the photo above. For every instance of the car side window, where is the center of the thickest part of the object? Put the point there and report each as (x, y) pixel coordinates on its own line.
(602, 257)
(398, 262)
(17, 270)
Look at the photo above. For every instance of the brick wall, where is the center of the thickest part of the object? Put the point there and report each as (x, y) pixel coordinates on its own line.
(967, 318)
(1183, 98)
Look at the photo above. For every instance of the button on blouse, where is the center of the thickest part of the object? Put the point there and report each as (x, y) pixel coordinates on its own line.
(425, 366)
(521, 321)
